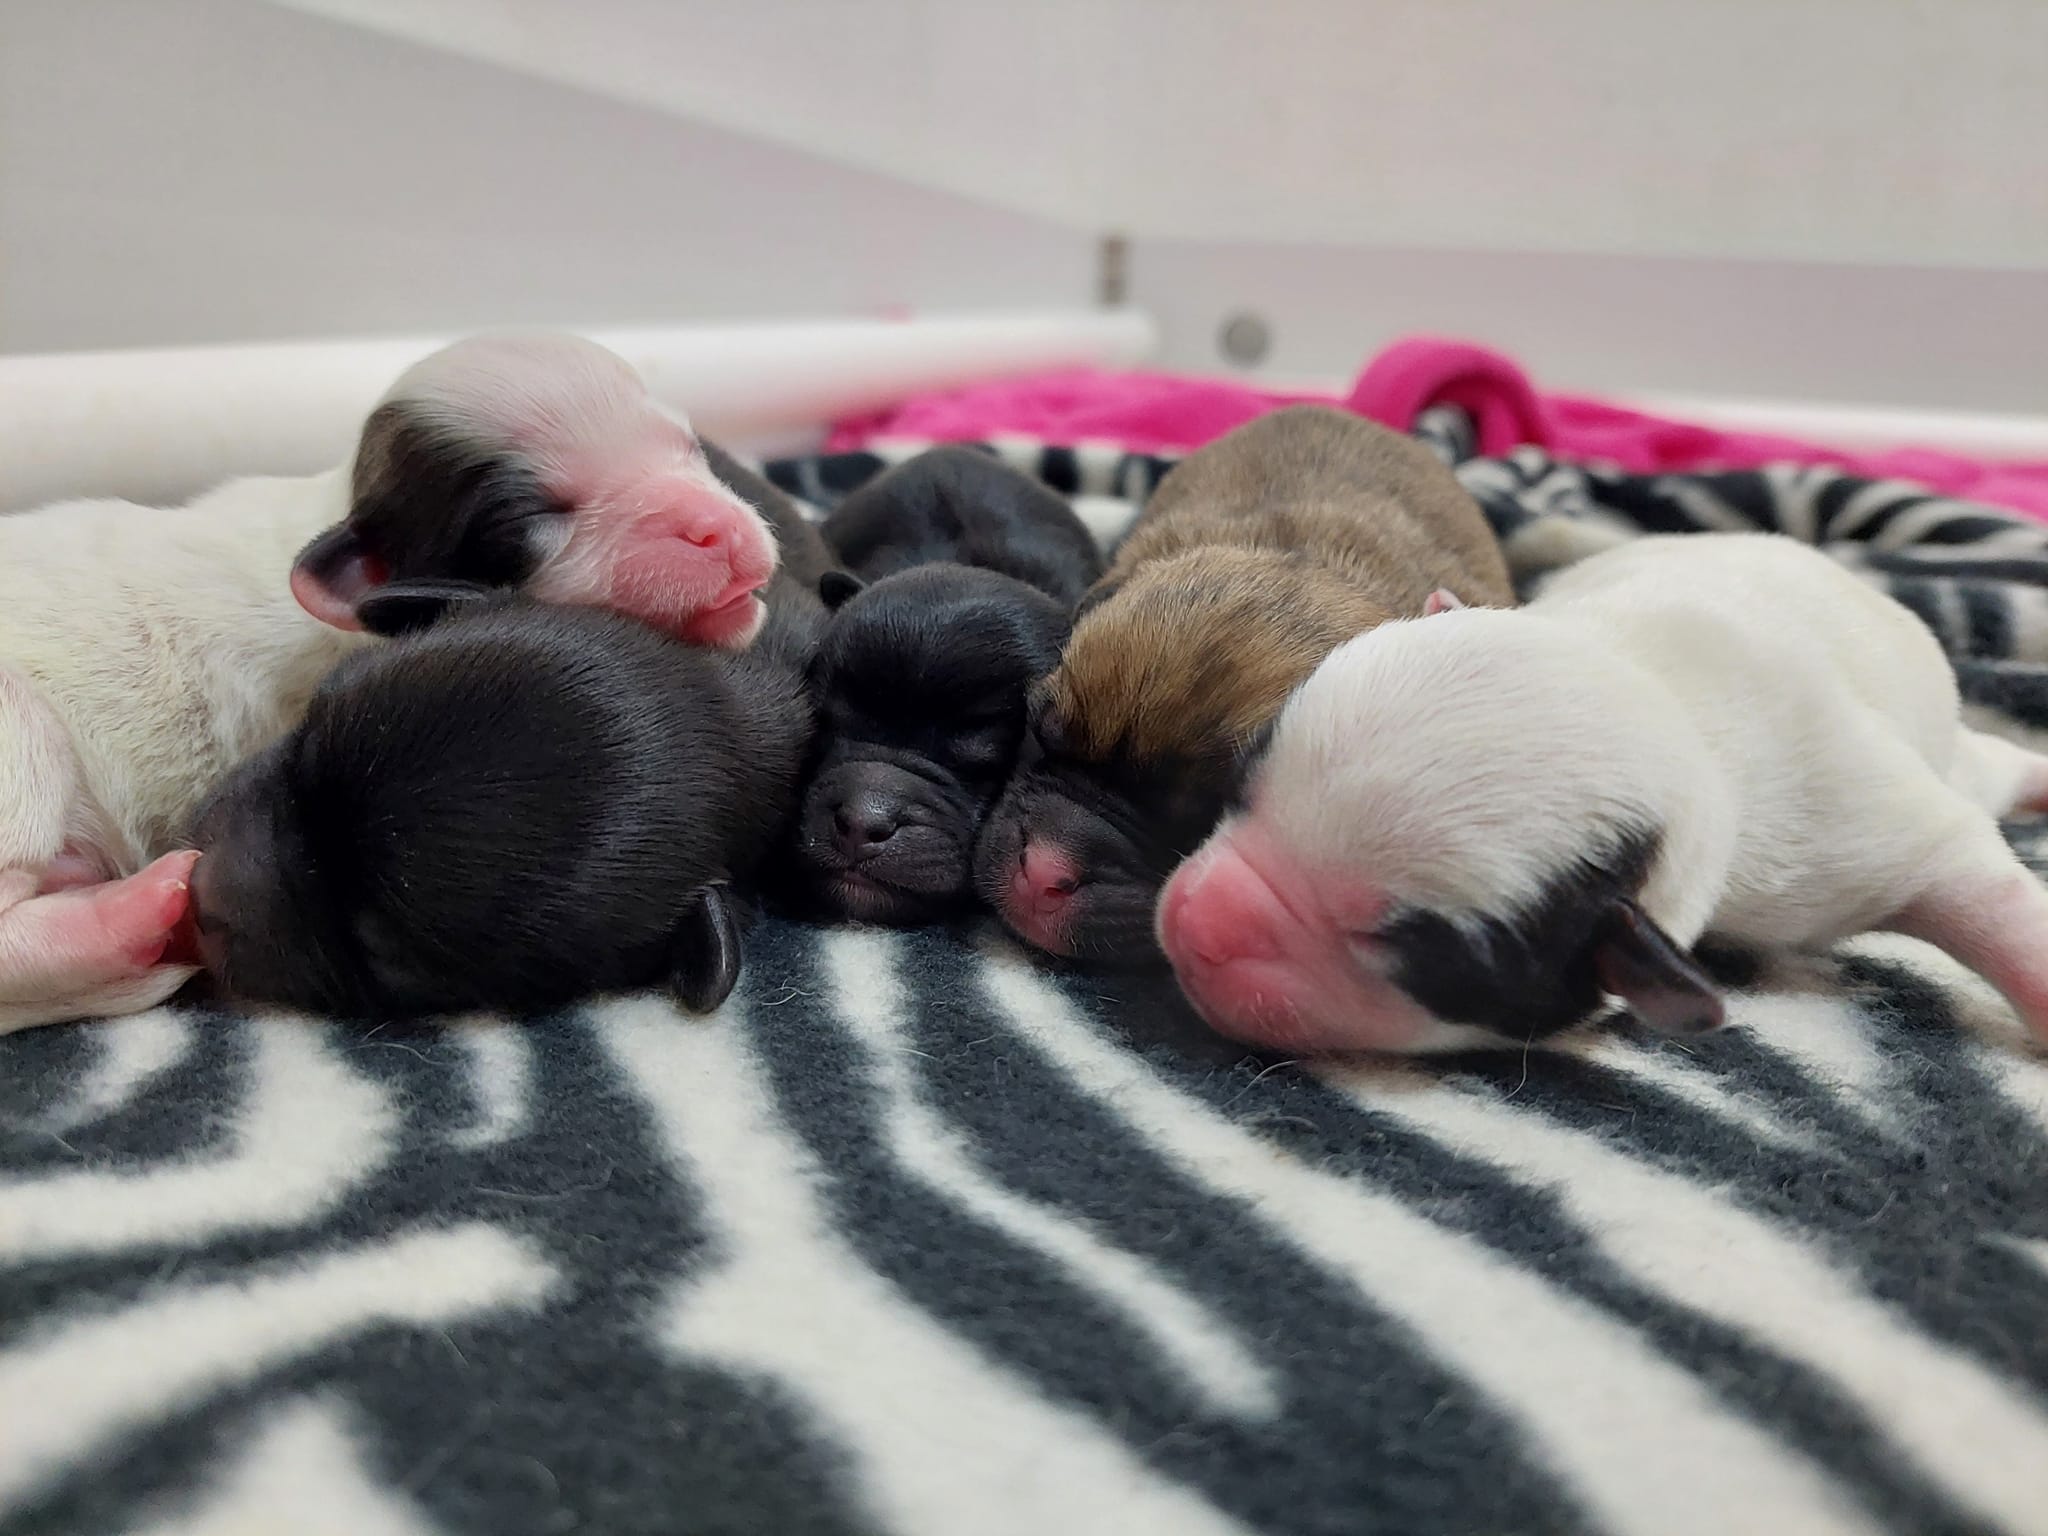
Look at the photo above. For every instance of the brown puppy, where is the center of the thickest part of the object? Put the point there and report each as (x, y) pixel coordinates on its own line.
(1255, 559)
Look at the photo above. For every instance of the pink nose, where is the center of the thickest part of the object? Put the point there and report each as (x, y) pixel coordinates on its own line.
(703, 526)
(713, 520)
(1218, 909)
(1044, 880)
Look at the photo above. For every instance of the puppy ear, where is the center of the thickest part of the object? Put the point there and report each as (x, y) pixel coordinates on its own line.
(1255, 746)
(333, 574)
(1095, 597)
(835, 587)
(401, 607)
(707, 965)
(1042, 717)
(1442, 600)
(1664, 987)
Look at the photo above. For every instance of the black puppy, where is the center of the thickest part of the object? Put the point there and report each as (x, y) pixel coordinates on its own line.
(975, 570)
(518, 807)
(960, 506)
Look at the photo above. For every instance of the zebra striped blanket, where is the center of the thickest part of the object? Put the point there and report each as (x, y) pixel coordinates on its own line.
(916, 1238)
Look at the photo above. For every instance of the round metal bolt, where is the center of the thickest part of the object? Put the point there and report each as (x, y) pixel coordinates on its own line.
(1244, 339)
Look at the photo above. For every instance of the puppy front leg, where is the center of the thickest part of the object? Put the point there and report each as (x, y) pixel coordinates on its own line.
(83, 946)
(39, 779)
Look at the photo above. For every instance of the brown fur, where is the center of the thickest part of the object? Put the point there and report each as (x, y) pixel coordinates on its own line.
(1257, 557)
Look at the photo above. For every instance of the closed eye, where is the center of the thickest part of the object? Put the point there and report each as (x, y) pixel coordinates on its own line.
(988, 743)
(1369, 950)
(547, 534)
(1001, 718)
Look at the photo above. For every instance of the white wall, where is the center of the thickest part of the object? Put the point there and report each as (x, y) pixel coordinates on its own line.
(176, 171)
(1909, 131)
(1957, 339)
(1803, 199)
(1807, 199)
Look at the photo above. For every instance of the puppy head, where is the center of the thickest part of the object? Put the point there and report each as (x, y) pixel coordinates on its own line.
(1140, 733)
(968, 508)
(1445, 843)
(922, 679)
(1072, 855)
(541, 462)
(1074, 852)
(1191, 656)
(508, 811)
(264, 930)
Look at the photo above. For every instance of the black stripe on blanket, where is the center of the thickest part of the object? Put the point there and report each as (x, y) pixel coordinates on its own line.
(916, 1238)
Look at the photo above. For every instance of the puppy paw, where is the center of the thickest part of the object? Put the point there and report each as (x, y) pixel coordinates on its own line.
(75, 953)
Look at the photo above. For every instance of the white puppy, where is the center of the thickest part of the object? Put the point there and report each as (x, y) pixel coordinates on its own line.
(1482, 823)
(145, 651)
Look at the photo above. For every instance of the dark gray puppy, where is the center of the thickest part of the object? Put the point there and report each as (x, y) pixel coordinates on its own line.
(966, 578)
(517, 807)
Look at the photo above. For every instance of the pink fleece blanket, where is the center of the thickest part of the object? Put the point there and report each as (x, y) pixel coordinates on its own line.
(1168, 413)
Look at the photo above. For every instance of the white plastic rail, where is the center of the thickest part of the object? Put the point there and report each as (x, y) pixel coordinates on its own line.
(159, 426)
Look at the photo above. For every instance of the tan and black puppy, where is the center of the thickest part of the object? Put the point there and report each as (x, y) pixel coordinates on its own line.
(1256, 557)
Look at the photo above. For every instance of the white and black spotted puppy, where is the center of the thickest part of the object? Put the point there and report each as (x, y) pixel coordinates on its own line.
(1485, 823)
(144, 651)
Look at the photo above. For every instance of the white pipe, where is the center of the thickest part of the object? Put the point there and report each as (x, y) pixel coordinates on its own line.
(1971, 434)
(160, 426)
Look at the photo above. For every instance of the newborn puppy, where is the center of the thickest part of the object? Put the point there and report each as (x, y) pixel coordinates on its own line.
(1483, 824)
(518, 807)
(541, 462)
(143, 651)
(960, 506)
(922, 675)
(1255, 558)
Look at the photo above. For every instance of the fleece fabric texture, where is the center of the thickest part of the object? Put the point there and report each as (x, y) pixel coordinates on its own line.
(1174, 413)
(915, 1237)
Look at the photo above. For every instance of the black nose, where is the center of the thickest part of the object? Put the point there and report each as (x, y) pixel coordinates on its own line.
(862, 823)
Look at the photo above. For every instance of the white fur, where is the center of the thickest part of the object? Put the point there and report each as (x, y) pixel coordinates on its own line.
(585, 423)
(144, 651)
(1794, 733)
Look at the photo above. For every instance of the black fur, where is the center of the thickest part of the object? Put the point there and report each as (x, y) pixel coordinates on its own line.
(805, 556)
(1533, 973)
(1129, 826)
(964, 507)
(428, 501)
(922, 677)
(520, 806)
